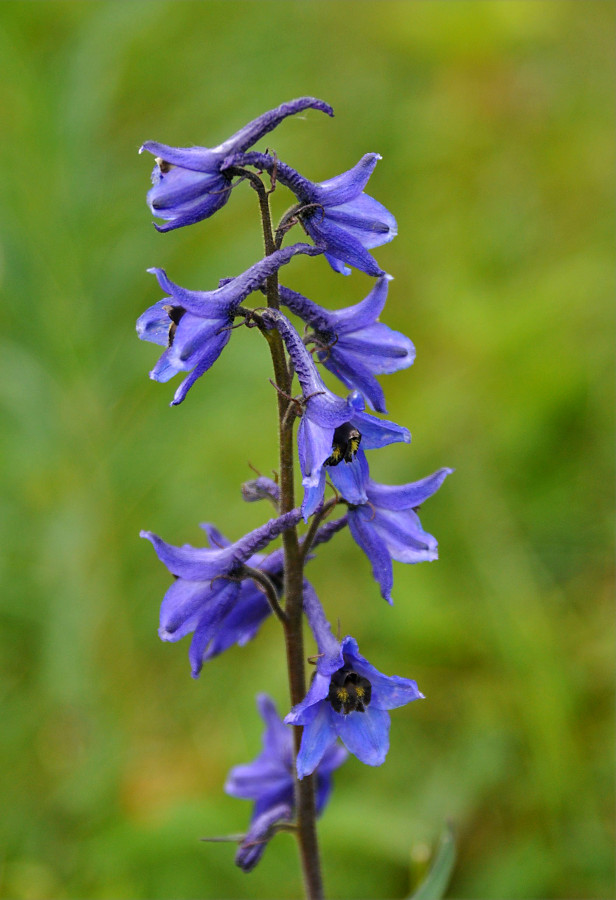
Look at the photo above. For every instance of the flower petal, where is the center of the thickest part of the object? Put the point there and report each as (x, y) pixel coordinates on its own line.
(345, 187)
(377, 433)
(330, 652)
(375, 549)
(339, 243)
(388, 691)
(253, 846)
(209, 622)
(365, 734)
(318, 735)
(406, 496)
(364, 313)
(405, 538)
(350, 479)
(365, 219)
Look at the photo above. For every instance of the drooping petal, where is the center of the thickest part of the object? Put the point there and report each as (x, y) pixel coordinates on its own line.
(195, 338)
(209, 356)
(277, 738)
(405, 538)
(183, 197)
(341, 245)
(153, 324)
(366, 219)
(242, 622)
(351, 479)
(209, 623)
(352, 371)
(318, 735)
(375, 549)
(365, 734)
(184, 604)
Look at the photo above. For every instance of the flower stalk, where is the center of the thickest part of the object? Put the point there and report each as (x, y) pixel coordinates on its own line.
(222, 593)
(294, 556)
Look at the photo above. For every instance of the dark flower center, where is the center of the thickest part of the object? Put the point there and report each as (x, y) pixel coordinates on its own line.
(344, 445)
(175, 313)
(349, 692)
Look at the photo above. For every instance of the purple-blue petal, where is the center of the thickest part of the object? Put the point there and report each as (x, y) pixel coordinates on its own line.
(340, 244)
(330, 652)
(405, 538)
(350, 479)
(304, 711)
(253, 846)
(346, 187)
(318, 735)
(209, 623)
(377, 433)
(365, 219)
(388, 691)
(406, 496)
(375, 549)
(365, 734)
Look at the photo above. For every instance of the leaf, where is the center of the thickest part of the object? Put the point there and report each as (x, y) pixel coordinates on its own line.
(435, 883)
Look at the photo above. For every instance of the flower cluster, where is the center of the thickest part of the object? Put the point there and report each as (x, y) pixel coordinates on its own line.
(222, 594)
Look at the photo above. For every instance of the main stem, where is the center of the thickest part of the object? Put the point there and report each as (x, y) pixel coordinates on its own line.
(293, 574)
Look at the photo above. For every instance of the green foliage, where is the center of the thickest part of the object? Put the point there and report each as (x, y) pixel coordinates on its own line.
(434, 885)
(495, 122)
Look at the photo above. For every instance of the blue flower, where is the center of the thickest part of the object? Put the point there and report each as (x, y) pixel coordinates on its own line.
(195, 326)
(383, 520)
(209, 597)
(331, 428)
(352, 343)
(269, 782)
(188, 184)
(212, 599)
(350, 703)
(335, 213)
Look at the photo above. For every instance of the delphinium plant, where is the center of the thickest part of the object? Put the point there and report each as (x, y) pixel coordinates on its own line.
(221, 594)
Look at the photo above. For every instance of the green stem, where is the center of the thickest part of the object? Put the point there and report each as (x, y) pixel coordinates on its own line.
(293, 569)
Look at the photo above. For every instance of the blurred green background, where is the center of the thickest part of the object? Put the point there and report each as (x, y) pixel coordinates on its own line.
(496, 123)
